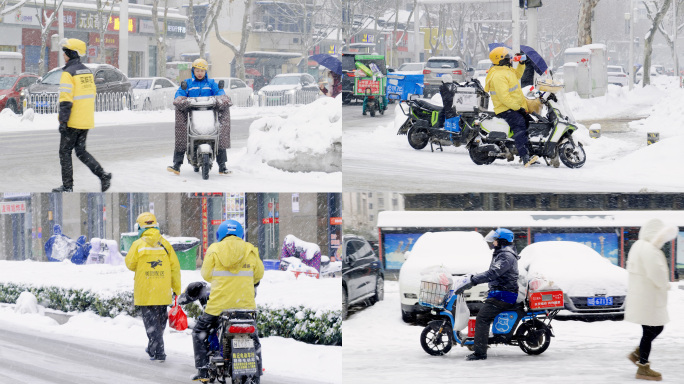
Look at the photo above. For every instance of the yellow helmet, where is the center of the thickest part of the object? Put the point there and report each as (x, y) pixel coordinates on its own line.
(201, 64)
(499, 53)
(147, 220)
(74, 45)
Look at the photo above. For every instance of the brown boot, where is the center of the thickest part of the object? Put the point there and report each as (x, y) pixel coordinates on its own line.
(634, 356)
(646, 373)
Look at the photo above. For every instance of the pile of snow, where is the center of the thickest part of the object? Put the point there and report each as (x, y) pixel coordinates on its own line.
(308, 140)
(278, 289)
(665, 117)
(576, 268)
(26, 303)
(618, 102)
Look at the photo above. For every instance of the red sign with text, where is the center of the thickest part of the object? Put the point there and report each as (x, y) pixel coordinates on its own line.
(13, 207)
(69, 18)
(114, 24)
(335, 221)
(270, 220)
(373, 85)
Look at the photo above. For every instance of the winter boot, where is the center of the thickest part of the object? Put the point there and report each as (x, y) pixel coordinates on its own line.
(644, 372)
(177, 161)
(221, 158)
(63, 188)
(475, 356)
(527, 160)
(201, 376)
(105, 181)
(634, 356)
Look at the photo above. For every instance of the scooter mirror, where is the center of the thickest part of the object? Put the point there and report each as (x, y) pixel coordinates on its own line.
(184, 85)
(221, 84)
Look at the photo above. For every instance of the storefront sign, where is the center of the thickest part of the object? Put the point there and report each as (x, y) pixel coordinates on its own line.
(88, 20)
(114, 24)
(24, 15)
(13, 207)
(175, 28)
(205, 224)
(69, 19)
(92, 51)
(147, 26)
(271, 220)
(111, 40)
(335, 221)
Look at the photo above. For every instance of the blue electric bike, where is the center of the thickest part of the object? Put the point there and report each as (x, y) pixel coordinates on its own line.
(529, 329)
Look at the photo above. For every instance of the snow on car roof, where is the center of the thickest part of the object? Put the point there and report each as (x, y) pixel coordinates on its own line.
(445, 58)
(492, 219)
(457, 251)
(576, 268)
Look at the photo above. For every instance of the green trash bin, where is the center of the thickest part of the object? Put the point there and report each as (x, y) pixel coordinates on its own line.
(127, 239)
(186, 250)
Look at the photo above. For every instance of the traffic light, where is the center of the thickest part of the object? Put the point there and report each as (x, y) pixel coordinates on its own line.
(530, 3)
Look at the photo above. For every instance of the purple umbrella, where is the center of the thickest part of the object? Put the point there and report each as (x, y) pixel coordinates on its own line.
(537, 61)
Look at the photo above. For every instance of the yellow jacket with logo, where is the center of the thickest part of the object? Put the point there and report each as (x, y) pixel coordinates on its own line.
(503, 85)
(156, 267)
(77, 96)
(233, 267)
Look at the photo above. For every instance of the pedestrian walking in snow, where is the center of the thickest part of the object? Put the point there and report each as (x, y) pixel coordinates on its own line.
(646, 301)
(157, 278)
(200, 85)
(76, 116)
(502, 276)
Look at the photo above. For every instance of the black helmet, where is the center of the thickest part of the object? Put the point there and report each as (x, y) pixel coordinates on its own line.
(194, 291)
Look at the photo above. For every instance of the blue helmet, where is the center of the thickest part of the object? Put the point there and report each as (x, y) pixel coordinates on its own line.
(230, 227)
(500, 233)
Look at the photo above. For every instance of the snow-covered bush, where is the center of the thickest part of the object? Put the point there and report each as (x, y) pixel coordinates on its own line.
(308, 140)
(300, 323)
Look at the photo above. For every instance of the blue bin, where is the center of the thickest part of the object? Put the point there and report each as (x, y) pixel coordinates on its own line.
(452, 124)
(272, 265)
(400, 86)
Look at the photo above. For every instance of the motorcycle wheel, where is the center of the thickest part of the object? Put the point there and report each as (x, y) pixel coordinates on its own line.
(371, 108)
(533, 337)
(480, 158)
(250, 380)
(206, 165)
(434, 341)
(572, 156)
(417, 137)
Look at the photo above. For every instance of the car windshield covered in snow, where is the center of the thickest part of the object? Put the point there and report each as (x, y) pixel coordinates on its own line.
(6, 82)
(411, 67)
(141, 83)
(53, 77)
(442, 64)
(285, 80)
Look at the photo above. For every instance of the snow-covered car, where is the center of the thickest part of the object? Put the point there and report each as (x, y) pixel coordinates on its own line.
(363, 279)
(640, 74)
(482, 68)
(152, 92)
(617, 76)
(283, 87)
(239, 92)
(460, 253)
(591, 284)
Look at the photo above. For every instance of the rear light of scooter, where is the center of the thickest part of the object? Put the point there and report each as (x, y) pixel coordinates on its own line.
(241, 329)
(426, 71)
(457, 72)
(350, 74)
(471, 328)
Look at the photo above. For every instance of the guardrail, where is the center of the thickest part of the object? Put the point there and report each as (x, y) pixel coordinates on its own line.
(49, 102)
(281, 98)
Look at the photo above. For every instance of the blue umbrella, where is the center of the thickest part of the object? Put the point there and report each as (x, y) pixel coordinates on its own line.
(538, 62)
(332, 63)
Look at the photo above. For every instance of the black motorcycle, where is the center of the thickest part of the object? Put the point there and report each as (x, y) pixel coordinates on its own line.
(549, 135)
(422, 118)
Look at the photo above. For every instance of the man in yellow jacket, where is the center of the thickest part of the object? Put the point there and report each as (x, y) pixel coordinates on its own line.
(233, 268)
(157, 277)
(76, 115)
(503, 84)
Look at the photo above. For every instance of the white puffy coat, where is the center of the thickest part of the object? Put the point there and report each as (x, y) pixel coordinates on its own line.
(648, 275)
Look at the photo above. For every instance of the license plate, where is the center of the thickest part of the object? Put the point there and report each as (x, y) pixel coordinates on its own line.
(596, 301)
(243, 343)
(439, 74)
(42, 104)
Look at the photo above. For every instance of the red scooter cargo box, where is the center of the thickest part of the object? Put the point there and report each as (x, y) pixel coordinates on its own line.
(547, 300)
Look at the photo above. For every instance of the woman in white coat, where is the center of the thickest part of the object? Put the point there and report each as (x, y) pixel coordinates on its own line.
(647, 290)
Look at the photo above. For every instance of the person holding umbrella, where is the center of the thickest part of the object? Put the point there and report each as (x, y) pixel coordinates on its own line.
(335, 67)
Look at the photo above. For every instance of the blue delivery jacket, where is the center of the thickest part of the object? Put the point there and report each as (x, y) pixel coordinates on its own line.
(197, 88)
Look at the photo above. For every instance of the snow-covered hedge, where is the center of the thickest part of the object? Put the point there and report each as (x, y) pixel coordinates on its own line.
(300, 323)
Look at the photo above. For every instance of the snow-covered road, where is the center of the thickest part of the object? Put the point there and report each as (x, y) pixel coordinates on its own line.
(380, 347)
(376, 158)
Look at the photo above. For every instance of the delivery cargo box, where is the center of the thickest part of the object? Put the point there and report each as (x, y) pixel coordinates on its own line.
(552, 299)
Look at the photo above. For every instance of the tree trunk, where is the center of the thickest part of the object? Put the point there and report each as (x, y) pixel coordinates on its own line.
(584, 22)
(648, 41)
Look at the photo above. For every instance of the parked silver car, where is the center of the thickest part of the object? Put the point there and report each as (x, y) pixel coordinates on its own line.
(437, 66)
(617, 76)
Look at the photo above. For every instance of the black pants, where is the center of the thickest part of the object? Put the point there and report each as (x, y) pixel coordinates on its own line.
(75, 139)
(488, 312)
(518, 124)
(154, 319)
(650, 333)
(206, 324)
